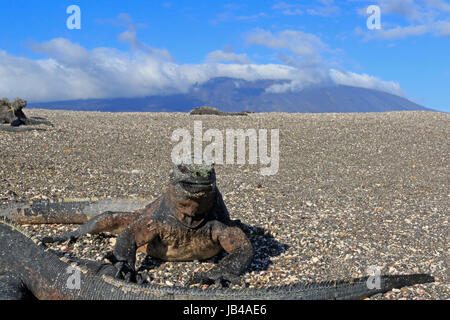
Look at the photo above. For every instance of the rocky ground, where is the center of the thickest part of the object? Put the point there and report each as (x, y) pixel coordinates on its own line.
(352, 190)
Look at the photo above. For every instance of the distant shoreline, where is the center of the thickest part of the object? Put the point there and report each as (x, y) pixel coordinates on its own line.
(29, 107)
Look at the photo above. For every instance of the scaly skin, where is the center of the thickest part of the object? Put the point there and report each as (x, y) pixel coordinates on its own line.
(27, 269)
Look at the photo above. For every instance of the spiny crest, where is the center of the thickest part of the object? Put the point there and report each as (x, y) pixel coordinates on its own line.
(10, 223)
(196, 165)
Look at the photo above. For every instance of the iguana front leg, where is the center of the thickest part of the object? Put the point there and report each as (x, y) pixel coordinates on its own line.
(108, 221)
(240, 255)
(138, 234)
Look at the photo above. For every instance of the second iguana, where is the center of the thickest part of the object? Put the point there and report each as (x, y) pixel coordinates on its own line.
(12, 113)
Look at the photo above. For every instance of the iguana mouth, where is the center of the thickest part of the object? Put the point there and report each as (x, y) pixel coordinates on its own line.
(194, 186)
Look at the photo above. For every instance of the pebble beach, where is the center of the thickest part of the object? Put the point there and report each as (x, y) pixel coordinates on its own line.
(352, 191)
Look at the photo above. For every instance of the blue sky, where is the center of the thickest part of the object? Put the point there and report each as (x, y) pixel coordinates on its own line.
(137, 48)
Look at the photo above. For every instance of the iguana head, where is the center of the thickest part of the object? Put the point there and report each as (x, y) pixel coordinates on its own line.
(193, 192)
(18, 104)
(194, 178)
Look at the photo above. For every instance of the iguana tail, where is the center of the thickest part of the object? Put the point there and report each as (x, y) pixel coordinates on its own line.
(20, 129)
(67, 210)
(46, 276)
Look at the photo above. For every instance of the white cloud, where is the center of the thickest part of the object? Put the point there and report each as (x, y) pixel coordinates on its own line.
(300, 50)
(365, 81)
(300, 43)
(324, 11)
(398, 32)
(290, 9)
(130, 36)
(443, 28)
(310, 68)
(287, 8)
(438, 4)
(304, 79)
(230, 15)
(406, 8)
(106, 73)
(228, 56)
(420, 17)
(70, 71)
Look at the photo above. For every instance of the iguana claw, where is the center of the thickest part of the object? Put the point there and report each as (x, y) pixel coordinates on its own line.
(125, 272)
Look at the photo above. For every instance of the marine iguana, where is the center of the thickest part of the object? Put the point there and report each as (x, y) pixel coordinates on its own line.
(213, 111)
(28, 269)
(188, 222)
(11, 113)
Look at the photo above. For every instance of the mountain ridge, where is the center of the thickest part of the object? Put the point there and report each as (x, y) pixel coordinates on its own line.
(234, 95)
